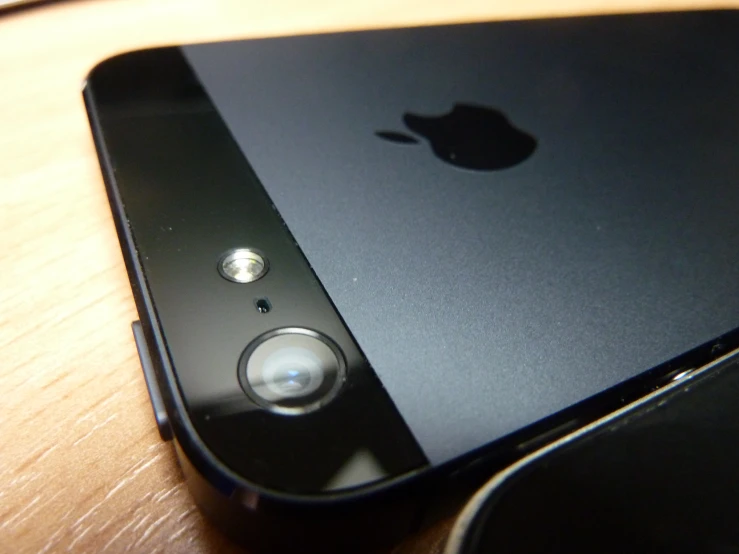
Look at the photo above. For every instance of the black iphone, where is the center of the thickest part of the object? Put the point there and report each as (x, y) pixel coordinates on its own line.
(372, 268)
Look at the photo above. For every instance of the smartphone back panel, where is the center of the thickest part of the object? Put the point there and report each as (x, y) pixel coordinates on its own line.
(486, 300)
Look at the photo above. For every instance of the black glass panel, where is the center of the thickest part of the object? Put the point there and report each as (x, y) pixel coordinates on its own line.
(190, 196)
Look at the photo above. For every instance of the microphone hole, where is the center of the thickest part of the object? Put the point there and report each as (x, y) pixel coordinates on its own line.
(263, 305)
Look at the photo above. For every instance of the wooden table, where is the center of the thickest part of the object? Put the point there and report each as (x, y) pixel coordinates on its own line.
(82, 468)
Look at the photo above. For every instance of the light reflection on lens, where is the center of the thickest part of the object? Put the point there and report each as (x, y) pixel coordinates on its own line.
(292, 370)
(242, 265)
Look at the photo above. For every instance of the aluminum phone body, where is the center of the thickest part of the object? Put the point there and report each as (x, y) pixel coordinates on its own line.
(482, 314)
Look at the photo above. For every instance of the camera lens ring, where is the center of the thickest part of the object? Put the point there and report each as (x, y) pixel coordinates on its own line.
(317, 390)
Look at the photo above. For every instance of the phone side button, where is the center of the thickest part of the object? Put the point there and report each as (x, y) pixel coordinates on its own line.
(157, 403)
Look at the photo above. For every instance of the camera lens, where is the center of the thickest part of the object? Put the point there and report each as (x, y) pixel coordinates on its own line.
(289, 371)
(292, 370)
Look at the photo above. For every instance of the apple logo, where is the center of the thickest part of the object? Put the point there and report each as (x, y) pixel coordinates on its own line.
(470, 136)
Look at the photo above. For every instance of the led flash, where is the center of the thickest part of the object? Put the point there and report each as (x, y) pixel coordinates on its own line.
(242, 265)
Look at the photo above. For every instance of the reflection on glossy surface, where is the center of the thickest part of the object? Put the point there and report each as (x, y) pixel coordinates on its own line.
(353, 440)
(360, 468)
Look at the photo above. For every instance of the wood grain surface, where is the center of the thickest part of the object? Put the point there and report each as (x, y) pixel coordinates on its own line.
(82, 468)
